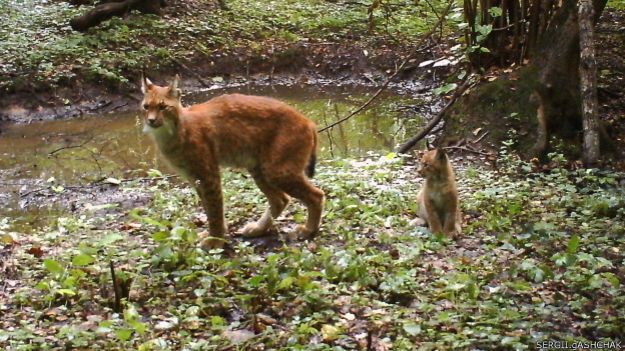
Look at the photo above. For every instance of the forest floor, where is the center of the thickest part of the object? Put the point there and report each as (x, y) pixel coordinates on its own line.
(541, 258)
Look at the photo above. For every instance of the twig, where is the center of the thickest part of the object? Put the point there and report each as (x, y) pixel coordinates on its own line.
(397, 71)
(408, 145)
(480, 138)
(119, 106)
(99, 182)
(70, 147)
(362, 107)
(369, 340)
(464, 148)
(34, 191)
(117, 303)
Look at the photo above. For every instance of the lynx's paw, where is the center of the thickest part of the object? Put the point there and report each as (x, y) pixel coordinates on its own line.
(301, 233)
(453, 234)
(418, 222)
(211, 243)
(253, 230)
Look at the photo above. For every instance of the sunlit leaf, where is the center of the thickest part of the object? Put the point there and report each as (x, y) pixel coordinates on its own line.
(53, 266)
(412, 328)
(82, 260)
(123, 334)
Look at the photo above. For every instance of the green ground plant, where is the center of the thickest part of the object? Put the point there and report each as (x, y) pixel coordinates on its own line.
(38, 49)
(541, 258)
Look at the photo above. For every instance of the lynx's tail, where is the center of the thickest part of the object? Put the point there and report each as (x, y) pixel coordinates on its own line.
(310, 169)
(312, 162)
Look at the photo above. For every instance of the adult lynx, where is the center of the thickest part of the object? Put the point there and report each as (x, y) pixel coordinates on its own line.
(270, 139)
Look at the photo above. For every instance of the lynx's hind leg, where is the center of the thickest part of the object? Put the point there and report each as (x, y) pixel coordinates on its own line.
(278, 200)
(285, 169)
(299, 187)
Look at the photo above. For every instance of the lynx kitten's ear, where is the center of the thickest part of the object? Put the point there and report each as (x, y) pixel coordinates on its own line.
(440, 153)
(145, 84)
(173, 87)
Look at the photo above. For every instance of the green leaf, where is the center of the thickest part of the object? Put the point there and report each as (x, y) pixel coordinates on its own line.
(573, 244)
(484, 30)
(149, 220)
(53, 266)
(139, 327)
(412, 329)
(445, 89)
(473, 290)
(217, 322)
(519, 285)
(286, 283)
(123, 334)
(42, 286)
(82, 260)
(256, 280)
(160, 236)
(537, 275)
(8, 239)
(154, 173)
(495, 11)
(612, 279)
(66, 292)
(109, 239)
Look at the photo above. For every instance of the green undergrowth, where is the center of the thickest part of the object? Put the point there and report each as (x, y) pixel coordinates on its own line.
(541, 258)
(38, 48)
(617, 4)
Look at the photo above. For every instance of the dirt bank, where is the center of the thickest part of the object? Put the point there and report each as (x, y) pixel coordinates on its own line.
(315, 64)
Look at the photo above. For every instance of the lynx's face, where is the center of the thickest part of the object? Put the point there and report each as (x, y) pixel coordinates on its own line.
(433, 163)
(160, 104)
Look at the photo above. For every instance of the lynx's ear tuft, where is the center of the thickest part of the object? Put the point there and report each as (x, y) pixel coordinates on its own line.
(145, 83)
(174, 91)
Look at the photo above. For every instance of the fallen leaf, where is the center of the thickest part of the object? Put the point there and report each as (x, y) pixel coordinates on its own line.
(35, 251)
(442, 63)
(8, 238)
(113, 181)
(329, 332)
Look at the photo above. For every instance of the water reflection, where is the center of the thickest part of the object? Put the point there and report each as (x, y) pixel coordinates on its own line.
(80, 151)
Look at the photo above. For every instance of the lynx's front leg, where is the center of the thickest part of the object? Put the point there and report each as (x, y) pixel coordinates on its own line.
(434, 221)
(209, 190)
(450, 226)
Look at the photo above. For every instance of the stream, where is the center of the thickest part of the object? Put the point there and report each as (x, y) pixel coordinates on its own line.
(46, 166)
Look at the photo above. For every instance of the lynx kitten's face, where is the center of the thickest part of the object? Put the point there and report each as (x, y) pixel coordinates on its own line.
(432, 162)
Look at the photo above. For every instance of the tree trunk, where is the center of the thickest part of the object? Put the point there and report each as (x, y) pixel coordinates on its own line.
(107, 10)
(588, 83)
(545, 96)
(557, 61)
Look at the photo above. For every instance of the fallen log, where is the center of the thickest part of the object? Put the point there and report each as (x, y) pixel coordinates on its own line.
(108, 10)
